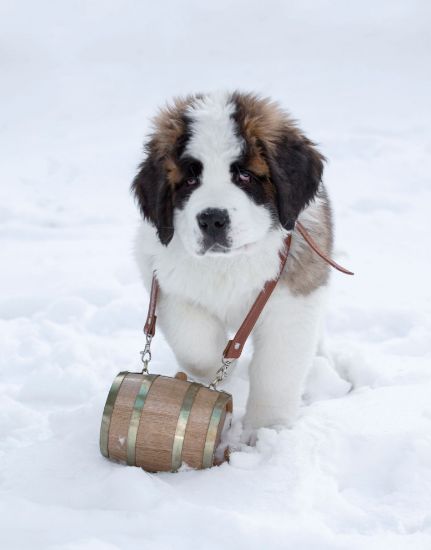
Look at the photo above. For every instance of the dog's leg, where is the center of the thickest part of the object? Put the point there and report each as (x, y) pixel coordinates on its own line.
(285, 342)
(196, 337)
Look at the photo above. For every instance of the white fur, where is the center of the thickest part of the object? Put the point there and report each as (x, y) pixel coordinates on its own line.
(204, 297)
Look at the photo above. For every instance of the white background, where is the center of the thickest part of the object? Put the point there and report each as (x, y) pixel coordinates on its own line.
(79, 82)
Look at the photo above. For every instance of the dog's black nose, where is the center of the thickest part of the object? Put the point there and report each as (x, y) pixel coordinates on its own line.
(213, 221)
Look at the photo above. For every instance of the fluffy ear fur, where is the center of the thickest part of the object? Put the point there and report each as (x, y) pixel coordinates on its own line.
(154, 196)
(296, 171)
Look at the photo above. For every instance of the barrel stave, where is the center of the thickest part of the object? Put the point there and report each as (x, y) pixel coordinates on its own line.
(197, 427)
(158, 423)
(121, 415)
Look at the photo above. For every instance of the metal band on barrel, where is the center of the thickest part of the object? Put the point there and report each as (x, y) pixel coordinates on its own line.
(107, 413)
(186, 407)
(132, 434)
(213, 426)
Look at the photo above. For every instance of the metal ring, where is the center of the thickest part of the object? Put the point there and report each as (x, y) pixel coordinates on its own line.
(186, 407)
(213, 426)
(107, 412)
(132, 433)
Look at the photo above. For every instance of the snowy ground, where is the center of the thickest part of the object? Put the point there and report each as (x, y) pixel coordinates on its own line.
(78, 83)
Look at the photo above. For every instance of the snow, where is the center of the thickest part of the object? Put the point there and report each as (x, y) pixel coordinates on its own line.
(79, 83)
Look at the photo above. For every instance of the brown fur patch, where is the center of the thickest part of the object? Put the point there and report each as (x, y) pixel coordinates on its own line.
(169, 125)
(269, 191)
(173, 171)
(263, 121)
(169, 128)
(305, 270)
(256, 162)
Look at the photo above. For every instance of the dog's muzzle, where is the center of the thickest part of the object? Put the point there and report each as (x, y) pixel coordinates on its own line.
(214, 224)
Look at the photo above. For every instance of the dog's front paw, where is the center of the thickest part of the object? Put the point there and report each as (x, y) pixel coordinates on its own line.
(269, 416)
(250, 436)
(252, 426)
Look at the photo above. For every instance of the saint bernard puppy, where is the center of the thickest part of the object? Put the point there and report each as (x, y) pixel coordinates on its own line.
(225, 177)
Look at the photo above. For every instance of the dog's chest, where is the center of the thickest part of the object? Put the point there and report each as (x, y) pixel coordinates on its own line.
(224, 288)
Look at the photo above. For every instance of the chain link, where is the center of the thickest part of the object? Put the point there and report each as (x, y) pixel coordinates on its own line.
(221, 373)
(146, 354)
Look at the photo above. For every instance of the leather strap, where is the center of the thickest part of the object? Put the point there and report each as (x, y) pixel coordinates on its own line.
(150, 323)
(235, 346)
(312, 244)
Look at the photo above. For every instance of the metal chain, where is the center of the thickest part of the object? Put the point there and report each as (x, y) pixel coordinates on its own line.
(146, 354)
(221, 373)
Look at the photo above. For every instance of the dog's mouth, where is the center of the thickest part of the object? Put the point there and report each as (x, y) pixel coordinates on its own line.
(214, 249)
(217, 249)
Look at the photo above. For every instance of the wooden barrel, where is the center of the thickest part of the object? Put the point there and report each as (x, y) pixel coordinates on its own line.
(159, 423)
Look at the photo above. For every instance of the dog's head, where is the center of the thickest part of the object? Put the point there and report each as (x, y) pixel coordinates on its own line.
(223, 170)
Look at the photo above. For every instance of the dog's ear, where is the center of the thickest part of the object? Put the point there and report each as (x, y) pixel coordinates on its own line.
(296, 172)
(154, 196)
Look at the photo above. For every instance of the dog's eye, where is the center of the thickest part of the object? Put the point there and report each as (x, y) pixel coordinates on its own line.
(192, 181)
(243, 176)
